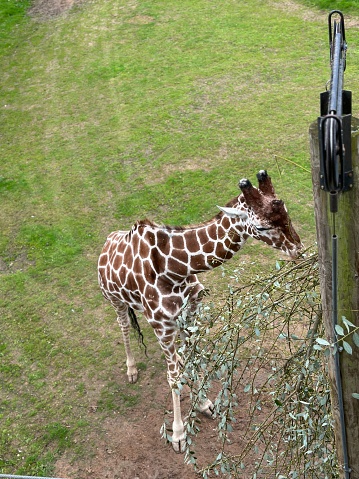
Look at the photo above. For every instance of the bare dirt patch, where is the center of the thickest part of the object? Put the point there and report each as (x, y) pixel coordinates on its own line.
(51, 8)
(130, 446)
(311, 15)
(141, 20)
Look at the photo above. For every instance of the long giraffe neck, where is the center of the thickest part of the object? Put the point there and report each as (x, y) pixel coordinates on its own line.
(204, 247)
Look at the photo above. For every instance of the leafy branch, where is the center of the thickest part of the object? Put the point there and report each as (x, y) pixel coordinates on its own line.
(260, 350)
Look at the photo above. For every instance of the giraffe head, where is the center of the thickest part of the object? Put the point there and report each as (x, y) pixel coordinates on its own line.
(264, 216)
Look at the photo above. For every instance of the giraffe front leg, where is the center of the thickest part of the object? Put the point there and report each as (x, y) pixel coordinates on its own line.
(178, 436)
(173, 373)
(124, 322)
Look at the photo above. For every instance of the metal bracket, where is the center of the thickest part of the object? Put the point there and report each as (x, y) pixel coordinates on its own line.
(334, 124)
(336, 173)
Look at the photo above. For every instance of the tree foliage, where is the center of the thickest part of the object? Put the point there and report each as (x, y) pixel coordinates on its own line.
(257, 355)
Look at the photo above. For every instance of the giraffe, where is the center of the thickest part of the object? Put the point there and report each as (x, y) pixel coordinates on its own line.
(153, 269)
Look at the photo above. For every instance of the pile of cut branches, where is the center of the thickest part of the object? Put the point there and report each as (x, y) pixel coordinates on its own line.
(258, 355)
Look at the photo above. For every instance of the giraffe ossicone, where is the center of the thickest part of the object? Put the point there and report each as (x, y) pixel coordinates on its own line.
(153, 269)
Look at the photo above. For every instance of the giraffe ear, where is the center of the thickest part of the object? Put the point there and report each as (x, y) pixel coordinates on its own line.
(233, 212)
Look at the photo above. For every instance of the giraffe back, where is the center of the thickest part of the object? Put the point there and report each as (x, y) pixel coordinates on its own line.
(147, 269)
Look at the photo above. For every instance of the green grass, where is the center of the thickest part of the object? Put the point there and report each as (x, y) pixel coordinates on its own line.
(109, 114)
(346, 6)
(12, 16)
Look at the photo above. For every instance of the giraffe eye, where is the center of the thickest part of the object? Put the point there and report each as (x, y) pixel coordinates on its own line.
(263, 228)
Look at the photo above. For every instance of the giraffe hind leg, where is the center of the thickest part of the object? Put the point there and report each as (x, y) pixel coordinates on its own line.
(124, 322)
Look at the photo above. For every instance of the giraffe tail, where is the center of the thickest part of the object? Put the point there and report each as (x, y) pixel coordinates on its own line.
(136, 327)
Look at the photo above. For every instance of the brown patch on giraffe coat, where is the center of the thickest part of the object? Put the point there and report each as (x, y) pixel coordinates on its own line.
(228, 243)
(215, 261)
(151, 294)
(193, 246)
(176, 267)
(208, 247)
(226, 222)
(158, 260)
(108, 271)
(134, 241)
(150, 237)
(177, 242)
(137, 266)
(196, 262)
(122, 274)
(117, 262)
(180, 254)
(144, 249)
(221, 232)
(112, 287)
(103, 260)
(170, 331)
(141, 281)
(102, 275)
(203, 236)
(163, 242)
(165, 286)
(148, 272)
(172, 303)
(280, 241)
(128, 257)
(212, 232)
(221, 252)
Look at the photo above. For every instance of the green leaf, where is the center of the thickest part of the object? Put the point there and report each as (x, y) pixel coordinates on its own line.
(347, 347)
(356, 339)
(347, 323)
(322, 341)
(355, 395)
(339, 330)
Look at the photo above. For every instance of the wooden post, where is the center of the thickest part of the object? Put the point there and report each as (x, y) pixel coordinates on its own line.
(347, 231)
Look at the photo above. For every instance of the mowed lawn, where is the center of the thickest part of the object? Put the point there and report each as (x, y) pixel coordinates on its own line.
(119, 110)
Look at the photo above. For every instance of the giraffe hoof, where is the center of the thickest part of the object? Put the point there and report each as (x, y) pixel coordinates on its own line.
(179, 446)
(207, 409)
(210, 412)
(132, 375)
(132, 379)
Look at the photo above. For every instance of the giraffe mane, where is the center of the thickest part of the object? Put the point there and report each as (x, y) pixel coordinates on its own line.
(147, 222)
